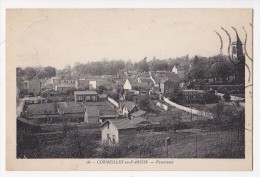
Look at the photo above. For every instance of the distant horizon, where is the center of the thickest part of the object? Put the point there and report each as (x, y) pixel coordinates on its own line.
(60, 37)
(126, 60)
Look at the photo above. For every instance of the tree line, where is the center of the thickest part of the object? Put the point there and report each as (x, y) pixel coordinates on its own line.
(217, 68)
(29, 73)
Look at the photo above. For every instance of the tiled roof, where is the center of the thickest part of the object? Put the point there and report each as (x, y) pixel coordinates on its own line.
(64, 85)
(133, 82)
(128, 104)
(138, 113)
(140, 120)
(92, 111)
(121, 123)
(71, 107)
(87, 92)
(146, 79)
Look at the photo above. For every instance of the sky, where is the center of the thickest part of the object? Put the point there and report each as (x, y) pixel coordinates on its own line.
(58, 37)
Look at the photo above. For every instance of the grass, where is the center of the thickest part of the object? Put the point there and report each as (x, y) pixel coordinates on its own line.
(220, 144)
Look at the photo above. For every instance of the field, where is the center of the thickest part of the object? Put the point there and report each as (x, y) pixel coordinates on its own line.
(219, 144)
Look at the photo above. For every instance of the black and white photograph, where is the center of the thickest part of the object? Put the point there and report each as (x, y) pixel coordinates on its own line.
(146, 84)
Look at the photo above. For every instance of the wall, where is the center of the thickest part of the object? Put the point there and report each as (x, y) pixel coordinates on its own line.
(232, 98)
(163, 106)
(111, 100)
(188, 109)
(111, 131)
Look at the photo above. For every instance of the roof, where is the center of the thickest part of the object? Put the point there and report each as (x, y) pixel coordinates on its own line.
(92, 111)
(105, 110)
(71, 107)
(120, 124)
(33, 98)
(133, 82)
(128, 104)
(159, 78)
(87, 92)
(41, 109)
(192, 90)
(64, 85)
(29, 122)
(140, 120)
(138, 113)
(102, 95)
(145, 79)
(66, 77)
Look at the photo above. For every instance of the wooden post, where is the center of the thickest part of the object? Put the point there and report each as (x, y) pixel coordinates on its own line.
(167, 142)
(196, 145)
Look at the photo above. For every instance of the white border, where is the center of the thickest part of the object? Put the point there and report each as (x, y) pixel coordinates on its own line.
(132, 4)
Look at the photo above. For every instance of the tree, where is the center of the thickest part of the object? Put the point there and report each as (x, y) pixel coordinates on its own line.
(81, 145)
(43, 74)
(101, 89)
(226, 96)
(51, 71)
(20, 72)
(174, 120)
(29, 73)
(217, 111)
(114, 95)
(143, 65)
(221, 68)
(199, 69)
(144, 102)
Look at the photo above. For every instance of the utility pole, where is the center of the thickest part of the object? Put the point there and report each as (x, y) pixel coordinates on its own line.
(196, 145)
(190, 110)
(167, 143)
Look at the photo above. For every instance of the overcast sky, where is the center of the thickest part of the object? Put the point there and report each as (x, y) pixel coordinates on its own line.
(61, 37)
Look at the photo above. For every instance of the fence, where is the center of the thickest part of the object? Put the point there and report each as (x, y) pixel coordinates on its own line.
(219, 144)
(188, 109)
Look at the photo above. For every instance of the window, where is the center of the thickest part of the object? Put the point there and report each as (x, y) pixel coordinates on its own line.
(114, 139)
(108, 138)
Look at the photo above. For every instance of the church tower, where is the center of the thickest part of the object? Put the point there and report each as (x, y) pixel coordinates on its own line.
(237, 49)
(239, 60)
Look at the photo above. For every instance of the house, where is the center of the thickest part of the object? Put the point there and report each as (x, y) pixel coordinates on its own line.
(72, 111)
(145, 83)
(116, 131)
(192, 95)
(168, 86)
(175, 70)
(140, 122)
(64, 79)
(33, 86)
(105, 109)
(130, 73)
(92, 85)
(81, 83)
(137, 114)
(34, 100)
(107, 112)
(127, 108)
(63, 88)
(130, 84)
(102, 97)
(88, 95)
(91, 114)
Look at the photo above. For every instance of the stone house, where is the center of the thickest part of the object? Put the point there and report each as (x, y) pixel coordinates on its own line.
(116, 131)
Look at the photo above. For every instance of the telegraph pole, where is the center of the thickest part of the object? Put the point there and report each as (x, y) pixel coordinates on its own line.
(196, 145)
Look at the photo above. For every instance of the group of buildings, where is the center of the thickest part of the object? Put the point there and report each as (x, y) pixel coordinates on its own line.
(116, 117)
